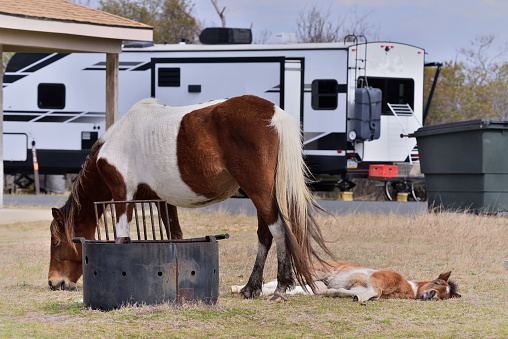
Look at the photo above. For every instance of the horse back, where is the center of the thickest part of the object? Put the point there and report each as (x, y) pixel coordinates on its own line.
(219, 144)
(191, 156)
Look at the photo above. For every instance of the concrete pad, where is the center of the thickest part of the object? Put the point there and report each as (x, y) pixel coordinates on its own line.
(13, 215)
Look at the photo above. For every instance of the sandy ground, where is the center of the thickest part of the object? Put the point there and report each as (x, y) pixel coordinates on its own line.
(10, 215)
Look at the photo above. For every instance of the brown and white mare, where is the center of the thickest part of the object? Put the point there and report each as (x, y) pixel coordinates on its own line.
(195, 156)
(342, 279)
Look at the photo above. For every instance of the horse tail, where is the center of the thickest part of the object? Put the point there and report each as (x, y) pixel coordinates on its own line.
(294, 200)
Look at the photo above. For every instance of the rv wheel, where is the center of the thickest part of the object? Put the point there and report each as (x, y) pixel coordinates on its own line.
(416, 190)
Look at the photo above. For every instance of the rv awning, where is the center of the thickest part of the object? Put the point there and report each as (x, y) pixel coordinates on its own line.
(46, 26)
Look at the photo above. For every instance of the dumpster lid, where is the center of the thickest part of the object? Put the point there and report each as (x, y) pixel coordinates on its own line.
(462, 126)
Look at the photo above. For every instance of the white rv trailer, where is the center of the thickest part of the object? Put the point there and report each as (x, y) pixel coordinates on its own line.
(58, 100)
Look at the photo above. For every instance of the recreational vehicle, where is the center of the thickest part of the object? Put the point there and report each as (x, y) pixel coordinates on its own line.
(354, 99)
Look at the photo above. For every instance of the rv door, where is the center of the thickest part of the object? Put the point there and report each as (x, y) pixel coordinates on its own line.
(186, 81)
(293, 88)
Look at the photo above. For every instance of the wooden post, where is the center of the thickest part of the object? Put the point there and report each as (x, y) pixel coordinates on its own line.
(1, 129)
(111, 89)
(36, 169)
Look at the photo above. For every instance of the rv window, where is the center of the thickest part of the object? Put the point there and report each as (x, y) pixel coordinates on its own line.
(324, 94)
(395, 91)
(169, 77)
(51, 96)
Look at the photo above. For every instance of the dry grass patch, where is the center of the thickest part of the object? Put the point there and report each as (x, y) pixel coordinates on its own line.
(418, 247)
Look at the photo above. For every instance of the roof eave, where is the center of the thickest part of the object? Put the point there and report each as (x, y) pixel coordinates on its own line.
(17, 33)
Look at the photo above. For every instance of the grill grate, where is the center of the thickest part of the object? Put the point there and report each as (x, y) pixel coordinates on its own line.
(156, 228)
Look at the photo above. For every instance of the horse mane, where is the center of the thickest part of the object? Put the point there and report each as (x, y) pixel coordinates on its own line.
(72, 206)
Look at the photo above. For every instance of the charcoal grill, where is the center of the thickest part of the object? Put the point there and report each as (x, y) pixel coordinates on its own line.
(150, 270)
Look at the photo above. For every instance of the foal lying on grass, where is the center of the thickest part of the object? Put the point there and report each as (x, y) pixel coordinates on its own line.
(342, 279)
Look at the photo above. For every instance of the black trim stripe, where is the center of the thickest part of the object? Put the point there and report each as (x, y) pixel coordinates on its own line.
(146, 66)
(47, 62)
(20, 61)
(10, 78)
(332, 141)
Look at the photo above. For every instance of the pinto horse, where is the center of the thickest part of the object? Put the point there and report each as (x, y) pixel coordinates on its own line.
(342, 279)
(195, 156)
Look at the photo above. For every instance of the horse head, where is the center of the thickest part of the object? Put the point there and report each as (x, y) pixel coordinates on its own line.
(438, 289)
(65, 266)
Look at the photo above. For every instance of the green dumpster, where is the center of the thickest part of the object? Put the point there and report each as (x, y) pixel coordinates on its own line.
(465, 165)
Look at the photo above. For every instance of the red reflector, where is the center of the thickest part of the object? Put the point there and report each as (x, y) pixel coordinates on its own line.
(354, 49)
(382, 46)
(339, 151)
(392, 46)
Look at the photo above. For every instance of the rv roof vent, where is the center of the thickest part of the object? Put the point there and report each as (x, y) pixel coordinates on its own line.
(225, 36)
(282, 38)
(139, 44)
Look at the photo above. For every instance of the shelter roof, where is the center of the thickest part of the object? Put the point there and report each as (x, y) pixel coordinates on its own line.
(66, 11)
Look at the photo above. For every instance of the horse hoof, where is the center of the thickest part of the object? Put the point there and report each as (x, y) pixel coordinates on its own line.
(123, 240)
(276, 298)
(249, 293)
(279, 297)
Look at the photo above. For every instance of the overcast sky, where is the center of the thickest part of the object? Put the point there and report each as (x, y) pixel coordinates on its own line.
(441, 27)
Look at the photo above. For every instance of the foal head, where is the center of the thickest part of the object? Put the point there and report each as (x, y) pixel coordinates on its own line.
(437, 289)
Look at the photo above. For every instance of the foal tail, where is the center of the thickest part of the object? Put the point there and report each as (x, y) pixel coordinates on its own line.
(294, 199)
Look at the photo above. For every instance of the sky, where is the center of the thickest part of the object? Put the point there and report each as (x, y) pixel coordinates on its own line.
(441, 27)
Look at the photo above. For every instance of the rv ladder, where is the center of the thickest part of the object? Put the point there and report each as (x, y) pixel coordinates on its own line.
(403, 109)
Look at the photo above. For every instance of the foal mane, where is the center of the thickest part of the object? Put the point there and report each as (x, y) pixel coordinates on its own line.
(73, 205)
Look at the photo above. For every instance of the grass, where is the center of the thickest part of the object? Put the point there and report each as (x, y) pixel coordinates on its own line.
(419, 247)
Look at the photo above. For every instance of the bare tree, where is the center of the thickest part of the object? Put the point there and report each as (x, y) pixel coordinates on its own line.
(221, 13)
(316, 25)
(263, 36)
(357, 23)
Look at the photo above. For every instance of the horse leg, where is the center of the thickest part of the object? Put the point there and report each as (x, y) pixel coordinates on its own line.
(174, 224)
(254, 285)
(119, 192)
(270, 226)
(285, 279)
(124, 217)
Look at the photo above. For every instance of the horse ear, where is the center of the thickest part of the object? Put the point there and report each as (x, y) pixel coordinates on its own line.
(58, 215)
(445, 275)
